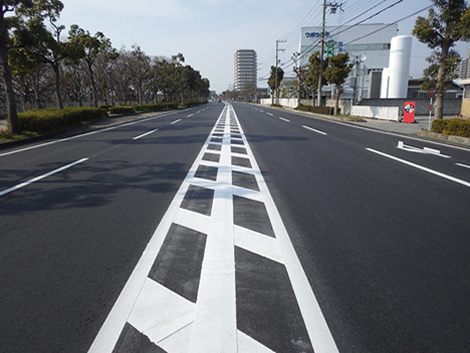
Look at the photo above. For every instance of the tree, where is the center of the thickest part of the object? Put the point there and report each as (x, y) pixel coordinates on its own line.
(444, 26)
(12, 17)
(90, 47)
(301, 73)
(336, 72)
(274, 81)
(313, 73)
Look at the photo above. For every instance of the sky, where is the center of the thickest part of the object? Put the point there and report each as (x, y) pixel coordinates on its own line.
(208, 32)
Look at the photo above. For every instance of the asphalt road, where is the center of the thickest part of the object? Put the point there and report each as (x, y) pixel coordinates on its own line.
(383, 243)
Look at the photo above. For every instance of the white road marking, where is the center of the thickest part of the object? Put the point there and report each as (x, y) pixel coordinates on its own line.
(176, 121)
(114, 323)
(82, 135)
(284, 119)
(270, 114)
(26, 183)
(315, 323)
(211, 326)
(314, 130)
(431, 171)
(145, 134)
(190, 115)
(426, 150)
(463, 165)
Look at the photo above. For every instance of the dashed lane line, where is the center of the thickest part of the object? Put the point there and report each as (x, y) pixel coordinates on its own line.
(145, 134)
(284, 119)
(463, 165)
(176, 121)
(414, 165)
(314, 130)
(55, 171)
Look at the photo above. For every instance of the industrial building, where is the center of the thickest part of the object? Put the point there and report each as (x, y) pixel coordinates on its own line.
(245, 69)
(368, 46)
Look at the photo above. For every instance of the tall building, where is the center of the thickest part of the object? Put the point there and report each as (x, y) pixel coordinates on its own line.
(245, 69)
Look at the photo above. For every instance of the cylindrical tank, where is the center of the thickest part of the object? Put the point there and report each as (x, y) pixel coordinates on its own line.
(384, 83)
(399, 66)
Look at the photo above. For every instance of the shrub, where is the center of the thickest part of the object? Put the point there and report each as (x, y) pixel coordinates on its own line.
(457, 127)
(122, 109)
(49, 120)
(318, 110)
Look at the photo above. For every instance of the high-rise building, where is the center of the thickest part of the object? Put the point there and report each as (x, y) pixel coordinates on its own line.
(245, 69)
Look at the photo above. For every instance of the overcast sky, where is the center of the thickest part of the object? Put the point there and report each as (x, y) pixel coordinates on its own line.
(208, 32)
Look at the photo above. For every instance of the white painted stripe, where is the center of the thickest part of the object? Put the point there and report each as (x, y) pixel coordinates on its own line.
(26, 183)
(248, 193)
(114, 323)
(83, 135)
(145, 134)
(176, 121)
(284, 119)
(463, 165)
(159, 312)
(270, 114)
(192, 220)
(215, 326)
(198, 112)
(315, 323)
(190, 115)
(249, 345)
(314, 130)
(258, 243)
(414, 165)
(426, 150)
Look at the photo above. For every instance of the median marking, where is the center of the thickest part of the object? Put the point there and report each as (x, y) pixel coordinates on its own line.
(145, 134)
(55, 171)
(414, 165)
(314, 130)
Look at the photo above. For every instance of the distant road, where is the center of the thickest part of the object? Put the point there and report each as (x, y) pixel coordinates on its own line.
(378, 222)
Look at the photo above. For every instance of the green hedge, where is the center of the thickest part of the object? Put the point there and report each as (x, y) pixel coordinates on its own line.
(457, 127)
(49, 120)
(122, 109)
(318, 110)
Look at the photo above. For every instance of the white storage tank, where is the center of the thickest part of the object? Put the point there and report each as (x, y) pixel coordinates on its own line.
(384, 84)
(399, 66)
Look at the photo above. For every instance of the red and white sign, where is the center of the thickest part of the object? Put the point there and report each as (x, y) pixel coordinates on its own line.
(409, 112)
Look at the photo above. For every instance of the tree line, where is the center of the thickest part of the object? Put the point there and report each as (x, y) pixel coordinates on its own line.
(43, 64)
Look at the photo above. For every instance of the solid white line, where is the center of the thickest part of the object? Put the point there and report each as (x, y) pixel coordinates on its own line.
(463, 165)
(147, 133)
(176, 121)
(431, 171)
(314, 130)
(26, 183)
(214, 329)
(320, 335)
(286, 120)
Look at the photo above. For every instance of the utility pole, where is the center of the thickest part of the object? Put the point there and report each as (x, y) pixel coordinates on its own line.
(277, 62)
(334, 7)
(322, 50)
